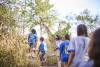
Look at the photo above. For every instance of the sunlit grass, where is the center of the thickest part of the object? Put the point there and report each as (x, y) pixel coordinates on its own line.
(13, 51)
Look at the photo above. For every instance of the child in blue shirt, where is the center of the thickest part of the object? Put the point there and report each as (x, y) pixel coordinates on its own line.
(63, 50)
(32, 39)
(42, 49)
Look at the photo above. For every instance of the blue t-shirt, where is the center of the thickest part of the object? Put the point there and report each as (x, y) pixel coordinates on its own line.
(32, 38)
(63, 51)
(42, 47)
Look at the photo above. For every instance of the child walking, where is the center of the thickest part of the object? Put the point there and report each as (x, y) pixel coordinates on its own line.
(64, 54)
(32, 39)
(42, 49)
(78, 47)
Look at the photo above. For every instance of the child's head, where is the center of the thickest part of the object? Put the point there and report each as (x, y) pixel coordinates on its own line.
(41, 39)
(94, 48)
(58, 37)
(67, 37)
(82, 30)
(33, 31)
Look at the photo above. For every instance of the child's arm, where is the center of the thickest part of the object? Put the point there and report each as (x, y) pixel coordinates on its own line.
(28, 37)
(71, 56)
(45, 47)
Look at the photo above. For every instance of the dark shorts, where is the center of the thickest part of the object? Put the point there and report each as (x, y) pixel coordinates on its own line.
(42, 54)
(31, 45)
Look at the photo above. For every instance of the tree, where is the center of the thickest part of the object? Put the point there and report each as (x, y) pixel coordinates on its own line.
(23, 10)
(64, 29)
(91, 21)
(7, 21)
(43, 14)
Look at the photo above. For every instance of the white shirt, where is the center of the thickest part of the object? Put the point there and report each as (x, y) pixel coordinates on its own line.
(58, 43)
(45, 46)
(79, 45)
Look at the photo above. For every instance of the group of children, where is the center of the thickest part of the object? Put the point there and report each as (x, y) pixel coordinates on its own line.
(32, 41)
(83, 50)
(61, 49)
(80, 51)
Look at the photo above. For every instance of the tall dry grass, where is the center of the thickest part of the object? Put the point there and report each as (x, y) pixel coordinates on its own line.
(13, 51)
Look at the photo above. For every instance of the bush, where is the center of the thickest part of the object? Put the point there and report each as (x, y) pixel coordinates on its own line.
(13, 51)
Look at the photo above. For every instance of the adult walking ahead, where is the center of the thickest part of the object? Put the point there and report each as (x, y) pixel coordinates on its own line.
(32, 39)
(78, 47)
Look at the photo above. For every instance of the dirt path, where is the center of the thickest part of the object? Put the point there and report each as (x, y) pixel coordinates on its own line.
(50, 66)
(33, 57)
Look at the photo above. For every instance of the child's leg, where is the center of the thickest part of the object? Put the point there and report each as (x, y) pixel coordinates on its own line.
(63, 64)
(42, 56)
(30, 48)
(59, 63)
(34, 48)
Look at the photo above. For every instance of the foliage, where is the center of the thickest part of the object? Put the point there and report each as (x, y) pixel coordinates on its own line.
(13, 52)
(30, 13)
(7, 22)
(90, 20)
(64, 30)
(13, 47)
(43, 13)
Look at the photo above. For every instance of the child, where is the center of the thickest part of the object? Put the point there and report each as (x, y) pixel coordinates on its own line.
(42, 49)
(93, 51)
(63, 51)
(58, 41)
(78, 47)
(32, 39)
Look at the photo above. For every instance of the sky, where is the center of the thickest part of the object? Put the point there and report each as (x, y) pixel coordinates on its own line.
(66, 7)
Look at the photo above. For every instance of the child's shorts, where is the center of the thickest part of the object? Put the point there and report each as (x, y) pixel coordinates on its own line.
(32, 45)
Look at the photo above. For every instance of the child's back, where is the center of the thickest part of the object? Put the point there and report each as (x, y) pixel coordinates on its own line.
(43, 47)
(63, 51)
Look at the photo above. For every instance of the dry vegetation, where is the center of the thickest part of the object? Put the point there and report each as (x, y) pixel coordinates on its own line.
(13, 51)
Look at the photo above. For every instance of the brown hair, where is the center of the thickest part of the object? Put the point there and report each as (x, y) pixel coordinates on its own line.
(67, 37)
(33, 31)
(58, 37)
(82, 30)
(41, 39)
(94, 48)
